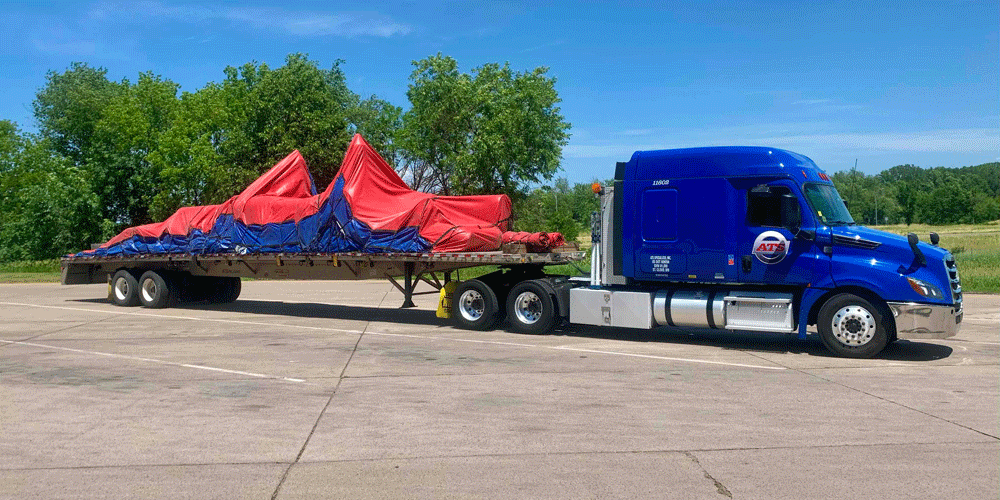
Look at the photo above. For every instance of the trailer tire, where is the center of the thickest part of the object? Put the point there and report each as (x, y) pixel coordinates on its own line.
(226, 290)
(475, 307)
(530, 308)
(157, 290)
(124, 289)
(852, 327)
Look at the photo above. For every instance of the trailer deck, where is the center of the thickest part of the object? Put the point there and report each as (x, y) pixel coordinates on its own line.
(411, 267)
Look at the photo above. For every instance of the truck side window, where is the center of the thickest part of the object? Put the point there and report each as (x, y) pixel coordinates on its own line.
(764, 209)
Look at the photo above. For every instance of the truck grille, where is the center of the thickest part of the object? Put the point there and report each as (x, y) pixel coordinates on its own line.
(956, 283)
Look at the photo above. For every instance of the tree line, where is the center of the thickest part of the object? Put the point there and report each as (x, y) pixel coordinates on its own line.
(907, 194)
(113, 154)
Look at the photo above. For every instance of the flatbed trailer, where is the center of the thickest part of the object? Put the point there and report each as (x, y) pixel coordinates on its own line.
(182, 276)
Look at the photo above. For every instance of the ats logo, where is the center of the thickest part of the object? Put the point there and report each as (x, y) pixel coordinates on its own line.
(770, 247)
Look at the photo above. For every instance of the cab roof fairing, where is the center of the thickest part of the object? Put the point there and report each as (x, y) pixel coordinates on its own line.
(724, 161)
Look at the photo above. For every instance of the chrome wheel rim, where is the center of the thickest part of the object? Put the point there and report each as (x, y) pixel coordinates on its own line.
(853, 326)
(528, 308)
(149, 290)
(471, 305)
(121, 288)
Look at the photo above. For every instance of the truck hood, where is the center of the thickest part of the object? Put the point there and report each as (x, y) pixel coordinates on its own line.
(890, 247)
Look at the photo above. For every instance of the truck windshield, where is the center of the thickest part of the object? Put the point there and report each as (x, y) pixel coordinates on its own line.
(827, 204)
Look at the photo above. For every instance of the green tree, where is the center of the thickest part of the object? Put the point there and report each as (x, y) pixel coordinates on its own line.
(11, 144)
(549, 209)
(493, 130)
(47, 208)
(69, 106)
(985, 208)
(188, 160)
(907, 181)
(379, 122)
(297, 106)
(126, 135)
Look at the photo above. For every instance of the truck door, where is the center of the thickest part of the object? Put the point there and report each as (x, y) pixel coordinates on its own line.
(778, 244)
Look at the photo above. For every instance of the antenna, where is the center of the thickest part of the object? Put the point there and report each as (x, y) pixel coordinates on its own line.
(854, 179)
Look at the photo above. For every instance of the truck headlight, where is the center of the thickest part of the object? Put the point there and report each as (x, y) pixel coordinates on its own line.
(925, 289)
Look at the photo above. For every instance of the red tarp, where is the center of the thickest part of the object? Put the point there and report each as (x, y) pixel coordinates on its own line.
(367, 208)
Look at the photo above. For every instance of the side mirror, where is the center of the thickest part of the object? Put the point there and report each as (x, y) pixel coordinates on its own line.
(912, 239)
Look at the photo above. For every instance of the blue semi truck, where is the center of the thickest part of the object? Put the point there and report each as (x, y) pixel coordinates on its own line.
(738, 238)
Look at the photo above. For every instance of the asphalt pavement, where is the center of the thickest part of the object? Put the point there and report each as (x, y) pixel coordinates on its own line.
(329, 390)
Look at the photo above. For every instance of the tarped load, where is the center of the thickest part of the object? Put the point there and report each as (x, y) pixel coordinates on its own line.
(535, 242)
(367, 208)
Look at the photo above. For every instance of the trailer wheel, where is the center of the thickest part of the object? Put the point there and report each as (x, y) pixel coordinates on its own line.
(852, 327)
(530, 308)
(226, 290)
(474, 306)
(124, 289)
(157, 290)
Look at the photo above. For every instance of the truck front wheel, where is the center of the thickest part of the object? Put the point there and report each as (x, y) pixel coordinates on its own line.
(530, 308)
(852, 327)
(475, 306)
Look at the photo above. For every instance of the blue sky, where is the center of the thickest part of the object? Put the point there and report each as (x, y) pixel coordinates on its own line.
(882, 82)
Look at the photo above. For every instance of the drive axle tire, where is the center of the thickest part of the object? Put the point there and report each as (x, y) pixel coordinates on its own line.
(124, 289)
(852, 327)
(474, 306)
(530, 308)
(157, 290)
(226, 290)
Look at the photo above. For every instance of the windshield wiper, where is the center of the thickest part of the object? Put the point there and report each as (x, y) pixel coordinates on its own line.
(841, 223)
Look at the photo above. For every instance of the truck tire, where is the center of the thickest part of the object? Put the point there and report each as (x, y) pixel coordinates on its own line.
(157, 290)
(530, 308)
(124, 289)
(474, 306)
(852, 327)
(226, 290)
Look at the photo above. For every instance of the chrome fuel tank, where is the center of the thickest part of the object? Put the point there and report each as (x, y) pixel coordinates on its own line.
(691, 308)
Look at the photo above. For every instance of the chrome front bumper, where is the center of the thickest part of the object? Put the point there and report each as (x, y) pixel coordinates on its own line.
(925, 321)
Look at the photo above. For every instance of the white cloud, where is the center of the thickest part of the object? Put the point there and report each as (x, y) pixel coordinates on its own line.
(299, 23)
(72, 48)
(590, 151)
(970, 140)
(636, 132)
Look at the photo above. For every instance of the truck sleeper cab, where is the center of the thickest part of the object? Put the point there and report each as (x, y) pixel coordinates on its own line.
(742, 238)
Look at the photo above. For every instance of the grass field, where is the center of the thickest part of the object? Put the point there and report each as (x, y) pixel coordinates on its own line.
(32, 271)
(976, 249)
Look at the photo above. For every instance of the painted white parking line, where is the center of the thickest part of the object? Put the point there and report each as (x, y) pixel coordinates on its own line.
(667, 358)
(190, 318)
(403, 335)
(151, 360)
